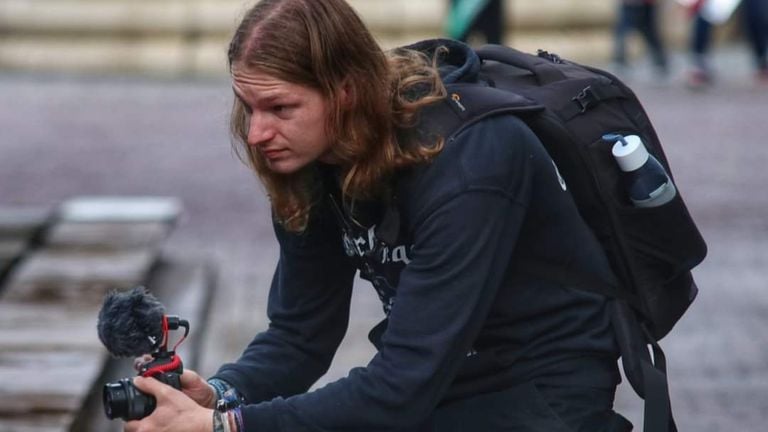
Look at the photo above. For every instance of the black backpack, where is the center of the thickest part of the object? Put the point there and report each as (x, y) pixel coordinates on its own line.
(652, 250)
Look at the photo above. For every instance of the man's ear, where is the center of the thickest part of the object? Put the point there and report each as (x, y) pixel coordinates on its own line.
(347, 94)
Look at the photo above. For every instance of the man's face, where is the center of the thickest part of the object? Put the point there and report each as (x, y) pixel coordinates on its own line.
(286, 121)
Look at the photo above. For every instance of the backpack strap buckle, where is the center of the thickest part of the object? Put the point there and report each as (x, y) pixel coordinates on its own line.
(586, 98)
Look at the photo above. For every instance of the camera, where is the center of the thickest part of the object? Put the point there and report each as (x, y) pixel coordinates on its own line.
(123, 400)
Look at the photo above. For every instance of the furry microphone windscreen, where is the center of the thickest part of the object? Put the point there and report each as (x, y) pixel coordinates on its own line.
(131, 323)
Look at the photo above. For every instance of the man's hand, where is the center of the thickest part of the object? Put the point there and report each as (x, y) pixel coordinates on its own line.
(198, 389)
(192, 384)
(174, 411)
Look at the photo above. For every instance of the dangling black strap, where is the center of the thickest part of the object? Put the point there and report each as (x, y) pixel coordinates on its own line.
(648, 376)
(658, 407)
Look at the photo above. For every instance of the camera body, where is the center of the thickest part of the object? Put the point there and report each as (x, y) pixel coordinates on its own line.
(123, 400)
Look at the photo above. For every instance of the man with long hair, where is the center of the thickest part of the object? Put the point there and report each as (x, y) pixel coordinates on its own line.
(442, 227)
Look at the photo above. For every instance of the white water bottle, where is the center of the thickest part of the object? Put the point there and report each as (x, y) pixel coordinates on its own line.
(648, 183)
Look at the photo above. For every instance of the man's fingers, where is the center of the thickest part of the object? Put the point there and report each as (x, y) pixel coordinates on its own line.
(131, 426)
(149, 385)
(138, 362)
(189, 377)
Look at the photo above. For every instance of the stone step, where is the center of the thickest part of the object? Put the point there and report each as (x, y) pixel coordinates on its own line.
(91, 245)
(77, 277)
(195, 17)
(11, 249)
(189, 37)
(129, 209)
(173, 57)
(45, 381)
(105, 236)
(49, 356)
(21, 222)
(40, 422)
(62, 363)
(32, 327)
(52, 364)
(20, 228)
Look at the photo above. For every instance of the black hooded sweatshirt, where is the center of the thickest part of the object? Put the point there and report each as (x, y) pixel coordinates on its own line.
(462, 315)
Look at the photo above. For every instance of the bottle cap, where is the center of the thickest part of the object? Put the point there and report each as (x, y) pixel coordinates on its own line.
(630, 153)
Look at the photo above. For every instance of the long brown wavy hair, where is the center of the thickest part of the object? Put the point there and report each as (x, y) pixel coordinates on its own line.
(324, 45)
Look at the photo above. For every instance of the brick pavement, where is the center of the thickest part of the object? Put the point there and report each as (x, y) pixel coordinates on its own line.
(62, 137)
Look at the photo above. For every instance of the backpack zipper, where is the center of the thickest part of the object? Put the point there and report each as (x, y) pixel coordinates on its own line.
(554, 58)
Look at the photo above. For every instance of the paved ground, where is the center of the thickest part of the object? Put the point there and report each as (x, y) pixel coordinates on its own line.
(63, 137)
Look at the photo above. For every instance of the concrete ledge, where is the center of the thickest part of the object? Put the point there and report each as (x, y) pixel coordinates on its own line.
(105, 236)
(120, 209)
(52, 364)
(22, 222)
(171, 56)
(208, 16)
(73, 277)
(117, 16)
(166, 56)
(189, 37)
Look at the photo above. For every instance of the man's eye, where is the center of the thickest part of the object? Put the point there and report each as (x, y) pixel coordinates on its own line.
(281, 109)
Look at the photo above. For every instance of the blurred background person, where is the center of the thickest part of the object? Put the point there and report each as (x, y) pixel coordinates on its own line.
(639, 15)
(706, 15)
(469, 19)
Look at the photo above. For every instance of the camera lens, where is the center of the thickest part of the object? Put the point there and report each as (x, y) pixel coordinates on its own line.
(123, 400)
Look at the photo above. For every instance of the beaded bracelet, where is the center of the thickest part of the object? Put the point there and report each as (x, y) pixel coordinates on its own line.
(221, 388)
(230, 404)
(220, 423)
(229, 400)
(234, 420)
(238, 414)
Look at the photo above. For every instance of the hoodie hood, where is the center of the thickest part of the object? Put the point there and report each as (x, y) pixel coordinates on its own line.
(459, 64)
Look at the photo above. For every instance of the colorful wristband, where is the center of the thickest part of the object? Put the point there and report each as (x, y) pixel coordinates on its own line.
(219, 386)
(220, 422)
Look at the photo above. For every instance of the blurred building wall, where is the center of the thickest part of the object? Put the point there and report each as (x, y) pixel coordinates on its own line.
(189, 37)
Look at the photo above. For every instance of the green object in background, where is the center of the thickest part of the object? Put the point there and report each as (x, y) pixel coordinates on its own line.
(461, 16)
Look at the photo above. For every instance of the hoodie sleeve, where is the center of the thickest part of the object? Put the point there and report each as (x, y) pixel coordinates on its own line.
(308, 310)
(465, 232)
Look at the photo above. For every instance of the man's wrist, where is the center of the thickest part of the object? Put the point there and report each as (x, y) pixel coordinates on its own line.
(227, 416)
(221, 389)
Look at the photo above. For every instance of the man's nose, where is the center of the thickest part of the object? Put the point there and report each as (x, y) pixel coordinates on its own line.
(260, 129)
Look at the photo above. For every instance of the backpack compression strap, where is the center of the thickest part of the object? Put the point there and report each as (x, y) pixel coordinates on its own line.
(549, 68)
